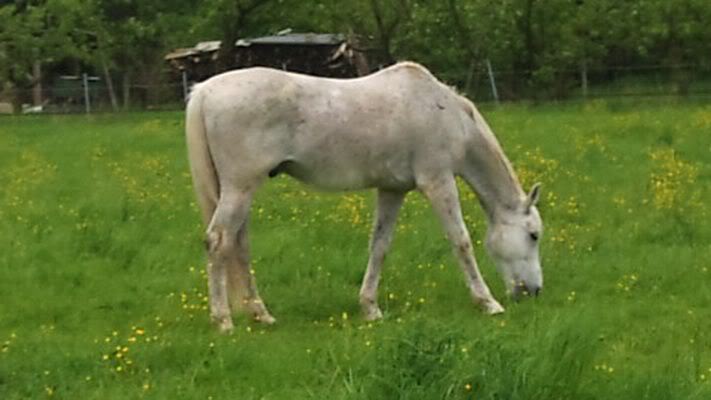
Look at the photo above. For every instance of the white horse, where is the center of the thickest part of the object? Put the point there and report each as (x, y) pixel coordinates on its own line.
(396, 130)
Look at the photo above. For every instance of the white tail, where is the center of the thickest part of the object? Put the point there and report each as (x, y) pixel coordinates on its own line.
(201, 166)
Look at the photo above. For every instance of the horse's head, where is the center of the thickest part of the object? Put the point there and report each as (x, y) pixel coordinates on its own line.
(512, 240)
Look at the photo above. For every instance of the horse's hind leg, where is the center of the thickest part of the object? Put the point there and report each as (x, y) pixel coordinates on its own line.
(386, 213)
(442, 194)
(222, 233)
(242, 286)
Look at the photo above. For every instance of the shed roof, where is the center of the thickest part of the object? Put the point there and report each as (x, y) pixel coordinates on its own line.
(296, 39)
(288, 39)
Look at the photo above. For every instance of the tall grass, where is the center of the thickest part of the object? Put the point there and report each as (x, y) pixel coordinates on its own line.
(103, 291)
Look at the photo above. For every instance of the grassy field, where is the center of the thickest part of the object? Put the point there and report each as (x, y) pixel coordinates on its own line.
(103, 290)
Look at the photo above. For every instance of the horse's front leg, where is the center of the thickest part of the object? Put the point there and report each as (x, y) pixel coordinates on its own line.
(386, 214)
(442, 194)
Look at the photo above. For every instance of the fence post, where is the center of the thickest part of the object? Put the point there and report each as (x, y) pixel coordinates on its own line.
(185, 86)
(87, 101)
(494, 92)
(584, 78)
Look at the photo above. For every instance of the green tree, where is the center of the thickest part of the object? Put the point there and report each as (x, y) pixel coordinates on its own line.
(139, 31)
(33, 34)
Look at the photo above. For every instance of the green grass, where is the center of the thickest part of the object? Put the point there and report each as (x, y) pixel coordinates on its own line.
(103, 292)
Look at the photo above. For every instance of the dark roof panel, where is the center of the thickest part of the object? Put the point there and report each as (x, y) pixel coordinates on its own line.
(296, 39)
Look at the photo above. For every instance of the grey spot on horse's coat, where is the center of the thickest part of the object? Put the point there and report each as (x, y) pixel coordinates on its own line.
(465, 247)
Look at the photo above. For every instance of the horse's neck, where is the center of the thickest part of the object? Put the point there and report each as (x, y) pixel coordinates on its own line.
(490, 174)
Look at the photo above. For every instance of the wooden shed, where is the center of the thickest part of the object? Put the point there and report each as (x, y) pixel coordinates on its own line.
(321, 54)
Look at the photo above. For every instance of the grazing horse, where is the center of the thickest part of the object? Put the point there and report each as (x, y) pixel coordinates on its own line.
(396, 130)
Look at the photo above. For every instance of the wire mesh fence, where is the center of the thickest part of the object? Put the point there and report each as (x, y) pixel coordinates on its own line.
(97, 97)
(482, 83)
(487, 84)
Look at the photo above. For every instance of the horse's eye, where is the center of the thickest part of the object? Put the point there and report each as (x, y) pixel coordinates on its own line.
(534, 236)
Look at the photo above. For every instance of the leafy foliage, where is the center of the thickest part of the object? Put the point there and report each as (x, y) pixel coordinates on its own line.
(540, 47)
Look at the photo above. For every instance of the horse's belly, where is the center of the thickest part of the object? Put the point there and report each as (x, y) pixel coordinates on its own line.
(345, 176)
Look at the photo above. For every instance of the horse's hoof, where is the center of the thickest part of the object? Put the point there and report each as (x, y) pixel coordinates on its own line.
(373, 314)
(224, 326)
(493, 307)
(266, 319)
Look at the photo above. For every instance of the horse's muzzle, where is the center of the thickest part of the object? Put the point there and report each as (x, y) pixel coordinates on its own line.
(522, 289)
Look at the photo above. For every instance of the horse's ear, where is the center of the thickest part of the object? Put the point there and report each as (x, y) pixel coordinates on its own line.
(533, 196)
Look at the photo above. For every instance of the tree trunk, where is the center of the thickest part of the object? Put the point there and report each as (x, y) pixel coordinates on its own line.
(528, 36)
(228, 50)
(386, 29)
(470, 76)
(233, 23)
(465, 37)
(584, 78)
(37, 83)
(675, 57)
(361, 63)
(110, 85)
(126, 91)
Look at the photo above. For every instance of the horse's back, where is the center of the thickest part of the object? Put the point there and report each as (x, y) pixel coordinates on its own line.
(334, 133)
(399, 83)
